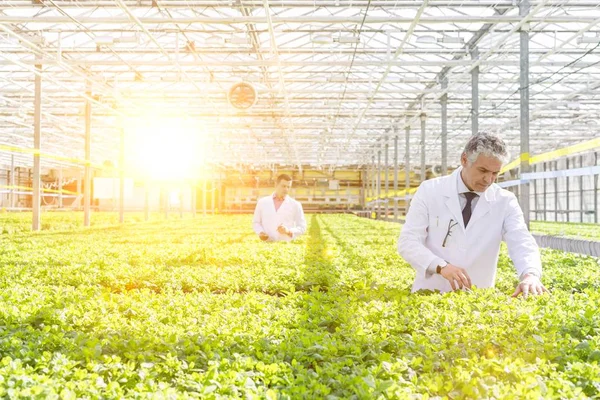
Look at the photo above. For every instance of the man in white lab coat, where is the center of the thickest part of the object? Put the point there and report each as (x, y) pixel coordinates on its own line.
(278, 217)
(455, 225)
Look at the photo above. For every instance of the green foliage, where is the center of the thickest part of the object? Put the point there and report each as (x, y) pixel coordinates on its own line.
(201, 308)
(578, 231)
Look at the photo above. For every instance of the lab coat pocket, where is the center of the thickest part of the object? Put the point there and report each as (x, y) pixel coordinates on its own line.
(286, 216)
(436, 223)
(447, 230)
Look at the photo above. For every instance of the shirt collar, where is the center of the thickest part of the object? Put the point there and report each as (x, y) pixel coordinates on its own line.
(276, 198)
(462, 188)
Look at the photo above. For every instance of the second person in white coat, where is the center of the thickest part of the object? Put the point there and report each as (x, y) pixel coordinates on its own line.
(278, 217)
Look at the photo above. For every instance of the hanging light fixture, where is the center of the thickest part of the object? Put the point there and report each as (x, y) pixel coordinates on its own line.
(348, 39)
(451, 39)
(103, 40)
(215, 40)
(426, 39)
(589, 39)
(239, 40)
(430, 39)
(322, 39)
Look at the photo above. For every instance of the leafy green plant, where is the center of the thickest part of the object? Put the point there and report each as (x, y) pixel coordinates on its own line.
(201, 308)
(578, 231)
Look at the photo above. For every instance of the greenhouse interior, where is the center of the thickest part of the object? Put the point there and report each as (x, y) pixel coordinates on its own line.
(277, 199)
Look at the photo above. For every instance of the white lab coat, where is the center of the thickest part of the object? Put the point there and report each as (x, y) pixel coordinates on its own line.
(290, 214)
(496, 217)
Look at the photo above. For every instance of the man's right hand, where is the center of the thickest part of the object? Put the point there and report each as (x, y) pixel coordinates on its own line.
(457, 276)
(263, 236)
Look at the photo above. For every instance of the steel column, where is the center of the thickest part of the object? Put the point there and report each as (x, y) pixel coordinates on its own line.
(524, 102)
(37, 141)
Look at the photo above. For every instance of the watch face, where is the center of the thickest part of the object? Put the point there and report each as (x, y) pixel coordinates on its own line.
(439, 268)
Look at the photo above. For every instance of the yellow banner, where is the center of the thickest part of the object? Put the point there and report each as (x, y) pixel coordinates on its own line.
(576, 148)
(552, 155)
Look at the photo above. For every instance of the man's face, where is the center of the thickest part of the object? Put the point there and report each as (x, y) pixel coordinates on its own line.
(282, 188)
(482, 173)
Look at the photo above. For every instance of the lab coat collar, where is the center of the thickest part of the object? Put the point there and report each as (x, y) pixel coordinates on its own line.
(285, 200)
(450, 188)
(274, 196)
(451, 192)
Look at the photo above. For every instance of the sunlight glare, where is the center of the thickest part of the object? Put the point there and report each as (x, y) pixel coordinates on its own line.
(164, 149)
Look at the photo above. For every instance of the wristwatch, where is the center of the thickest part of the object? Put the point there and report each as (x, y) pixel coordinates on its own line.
(440, 266)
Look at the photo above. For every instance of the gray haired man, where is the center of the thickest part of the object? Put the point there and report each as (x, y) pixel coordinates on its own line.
(455, 225)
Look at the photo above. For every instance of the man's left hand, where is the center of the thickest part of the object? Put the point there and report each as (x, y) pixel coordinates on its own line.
(530, 284)
(284, 231)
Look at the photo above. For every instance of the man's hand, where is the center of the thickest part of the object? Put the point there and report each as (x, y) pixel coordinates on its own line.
(284, 231)
(457, 276)
(263, 236)
(530, 284)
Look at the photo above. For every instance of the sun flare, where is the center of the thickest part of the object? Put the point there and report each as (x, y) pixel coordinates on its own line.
(164, 149)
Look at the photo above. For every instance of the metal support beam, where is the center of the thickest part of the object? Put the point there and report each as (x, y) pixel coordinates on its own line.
(122, 178)
(475, 94)
(536, 206)
(167, 202)
(524, 120)
(395, 172)
(545, 188)
(387, 174)
(568, 189)
(407, 168)
(363, 193)
(367, 183)
(596, 190)
(204, 199)
(393, 20)
(79, 190)
(444, 104)
(87, 180)
(213, 196)
(221, 65)
(4, 200)
(378, 182)
(60, 187)
(372, 182)
(37, 141)
(146, 201)
(220, 202)
(556, 193)
(423, 137)
(193, 196)
(12, 181)
(181, 200)
(581, 191)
